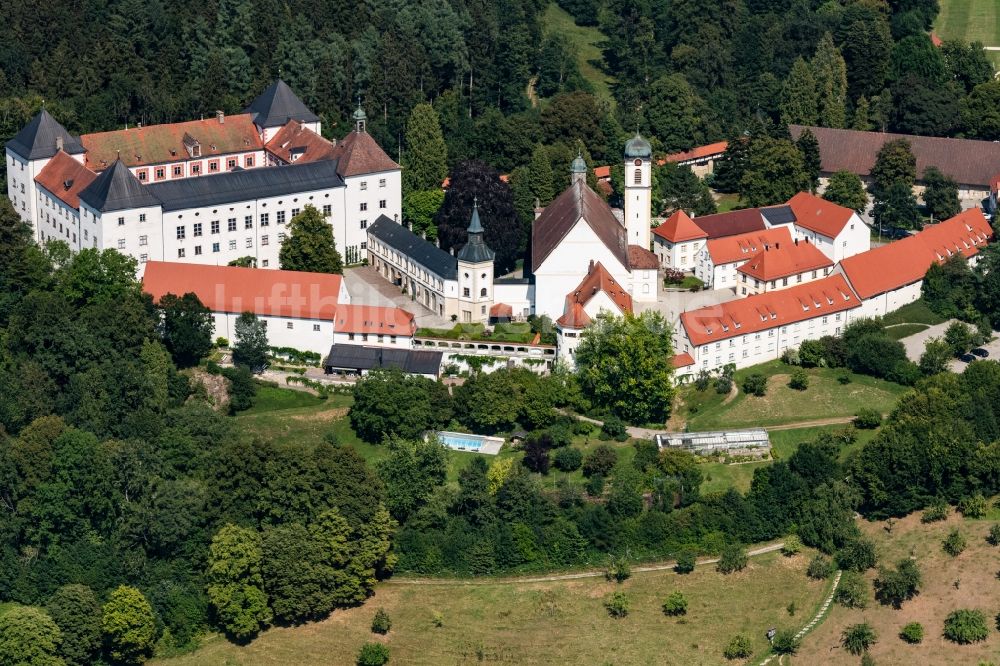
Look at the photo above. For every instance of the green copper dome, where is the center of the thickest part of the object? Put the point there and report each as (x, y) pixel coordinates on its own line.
(638, 147)
(578, 165)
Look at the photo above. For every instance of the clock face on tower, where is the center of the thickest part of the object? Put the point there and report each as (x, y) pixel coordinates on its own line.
(638, 162)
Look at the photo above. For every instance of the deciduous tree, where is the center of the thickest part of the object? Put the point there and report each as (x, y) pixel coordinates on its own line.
(251, 347)
(775, 172)
(846, 189)
(309, 245)
(29, 636)
(187, 328)
(128, 625)
(419, 209)
(75, 609)
(235, 583)
(681, 189)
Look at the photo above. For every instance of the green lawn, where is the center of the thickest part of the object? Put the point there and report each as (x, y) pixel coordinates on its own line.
(559, 622)
(900, 331)
(969, 21)
(916, 312)
(585, 40)
(727, 202)
(511, 332)
(271, 399)
(825, 398)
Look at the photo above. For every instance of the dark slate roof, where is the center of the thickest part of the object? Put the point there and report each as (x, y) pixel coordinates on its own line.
(413, 246)
(778, 214)
(732, 223)
(560, 216)
(475, 250)
(116, 188)
(38, 138)
(277, 105)
(355, 357)
(233, 186)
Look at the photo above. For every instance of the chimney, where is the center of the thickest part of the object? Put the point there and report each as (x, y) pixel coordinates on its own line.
(59, 143)
(538, 208)
(221, 115)
(590, 268)
(777, 245)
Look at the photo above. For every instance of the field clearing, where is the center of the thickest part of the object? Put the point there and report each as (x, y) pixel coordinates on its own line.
(969, 21)
(559, 622)
(966, 581)
(585, 40)
(826, 398)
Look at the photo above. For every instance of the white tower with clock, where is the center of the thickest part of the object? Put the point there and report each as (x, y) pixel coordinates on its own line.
(638, 191)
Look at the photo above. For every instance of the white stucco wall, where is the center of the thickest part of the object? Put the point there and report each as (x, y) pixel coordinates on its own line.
(680, 256)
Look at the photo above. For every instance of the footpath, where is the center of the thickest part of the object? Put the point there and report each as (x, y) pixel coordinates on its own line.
(819, 617)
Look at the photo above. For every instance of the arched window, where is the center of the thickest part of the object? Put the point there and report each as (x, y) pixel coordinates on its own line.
(482, 292)
(638, 177)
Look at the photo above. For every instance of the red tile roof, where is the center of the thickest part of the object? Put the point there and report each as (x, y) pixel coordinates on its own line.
(681, 360)
(261, 291)
(967, 161)
(819, 215)
(642, 259)
(701, 152)
(157, 144)
(678, 228)
(64, 177)
(602, 172)
(501, 310)
(906, 261)
(359, 154)
(769, 310)
(731, 223)
(294, 140)
(740, 248)
(598, 279)
(373, 319)
(785, 261)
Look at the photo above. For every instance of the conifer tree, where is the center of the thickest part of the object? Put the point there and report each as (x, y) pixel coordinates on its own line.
(830, 73)
(861, 120)
(798, 96)
(809, 147)
(425, 161)
(540, 175)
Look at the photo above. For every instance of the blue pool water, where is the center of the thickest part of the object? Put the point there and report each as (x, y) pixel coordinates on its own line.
(455, 442)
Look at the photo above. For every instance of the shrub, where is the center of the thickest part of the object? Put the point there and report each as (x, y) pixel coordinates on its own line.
(381, 622)
(618, 569)
(733, 558)
(791, 357)
(894, 586)
(820, 567)
(595, 485)
(852, 591)
(568, 459)
(857, 638)
(975, 506)
(857, 555)
(755, 384)
(843, 379)
(437, 619)
(812, 354)
(221, 342)
(792, 546)
(675, 604)
(583, 427)
(600, 461)
(614, 428)
(867, 418)
(993, 538)
(785, 642)
(617, 604)
(373, 654)
(912, 633)
(966, 626)
(954, 543)
(702, 380)
(739, 647)
(723, 384)
(867, 660)
(935, 512)
(685, 562)
(799, 380)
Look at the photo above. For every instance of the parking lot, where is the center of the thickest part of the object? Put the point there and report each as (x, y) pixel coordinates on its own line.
(914, 345)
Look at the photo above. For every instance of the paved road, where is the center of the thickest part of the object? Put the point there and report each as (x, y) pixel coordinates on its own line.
(665, 566)
(366, 286)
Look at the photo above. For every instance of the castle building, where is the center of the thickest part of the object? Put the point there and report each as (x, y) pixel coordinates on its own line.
(205, 191)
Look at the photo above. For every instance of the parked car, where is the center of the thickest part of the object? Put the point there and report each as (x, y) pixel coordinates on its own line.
(980, 352)
(966, 358)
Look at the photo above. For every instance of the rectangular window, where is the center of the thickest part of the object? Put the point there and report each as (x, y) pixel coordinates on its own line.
(180, 233)
(215, 226)
(231, 224)
(197, 229)
(178, 171)
(248, 160)
(381, 182)
(364, 245)
(248, 222)
(279, 217)
(289, 325)
(161, 173)
(215, 247)
(195, 169)
(465, 292)
(180, 253)
(364, 185)
(143, 258)
(264, 240)
(141, 175)
(121, 243)
(231, 163)
(364, 224)
(213, 165)
(265, 219)
(295, 211)
(232, 245)
(197, 250)
(142, 217)
(281, 237)
(121, 221)
(381, 203)
(364, 206)
(265, 263)
(327, 211)
(143, 241)
(249, 242)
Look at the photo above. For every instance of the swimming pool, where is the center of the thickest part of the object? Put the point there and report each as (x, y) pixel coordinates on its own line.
(462, 441)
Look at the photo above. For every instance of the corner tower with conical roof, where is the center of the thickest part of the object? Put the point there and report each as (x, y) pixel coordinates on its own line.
(638, 190)
(475, 273)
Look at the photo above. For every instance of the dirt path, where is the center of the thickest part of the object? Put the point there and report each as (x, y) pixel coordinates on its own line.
(837, 420)
(665, 566)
